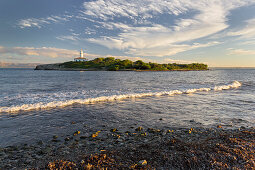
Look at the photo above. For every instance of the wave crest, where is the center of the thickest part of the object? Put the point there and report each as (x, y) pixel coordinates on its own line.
(37, 106)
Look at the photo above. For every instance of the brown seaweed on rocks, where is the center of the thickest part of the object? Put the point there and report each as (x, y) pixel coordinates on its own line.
(194, 148)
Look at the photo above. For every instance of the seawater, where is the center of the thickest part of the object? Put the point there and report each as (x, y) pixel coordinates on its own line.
(34, 105)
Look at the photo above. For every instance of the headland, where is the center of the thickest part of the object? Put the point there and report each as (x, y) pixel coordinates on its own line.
(112, 64)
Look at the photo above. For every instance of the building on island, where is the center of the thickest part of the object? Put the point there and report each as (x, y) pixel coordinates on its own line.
(81, 58)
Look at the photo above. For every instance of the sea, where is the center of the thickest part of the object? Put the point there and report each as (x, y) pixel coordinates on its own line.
(37, 104)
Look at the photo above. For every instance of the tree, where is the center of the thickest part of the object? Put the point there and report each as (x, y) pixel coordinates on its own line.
(126, 64)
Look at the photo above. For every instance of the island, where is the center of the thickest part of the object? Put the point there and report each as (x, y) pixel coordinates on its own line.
(112, 64)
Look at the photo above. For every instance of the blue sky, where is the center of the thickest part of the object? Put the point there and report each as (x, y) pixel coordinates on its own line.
(216, 32)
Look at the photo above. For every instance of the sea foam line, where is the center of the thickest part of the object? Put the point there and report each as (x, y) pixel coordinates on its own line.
(37, 106)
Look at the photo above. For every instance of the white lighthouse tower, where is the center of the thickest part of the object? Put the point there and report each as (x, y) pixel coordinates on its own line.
(81, 58)
(81, 54)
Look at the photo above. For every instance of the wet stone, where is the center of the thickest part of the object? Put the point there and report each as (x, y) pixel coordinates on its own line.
(67, 139)
(142, 163)
(77, 132)
(140, 128)
(55, 140)
(55, 137)
(114, 130)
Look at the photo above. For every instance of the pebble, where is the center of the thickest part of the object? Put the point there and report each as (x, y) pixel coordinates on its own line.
(77, 133)
(114, 130)
(55, 140)
(67, 139)
(55, 137)
(142, 163)
(140, 128)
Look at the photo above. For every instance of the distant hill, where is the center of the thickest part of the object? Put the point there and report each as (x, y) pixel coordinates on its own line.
(18, 65)
(112, 64)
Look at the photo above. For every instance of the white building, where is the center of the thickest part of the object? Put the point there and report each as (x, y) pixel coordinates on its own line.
(81, 58)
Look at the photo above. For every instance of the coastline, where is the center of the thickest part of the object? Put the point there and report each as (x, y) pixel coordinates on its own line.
(138, 148)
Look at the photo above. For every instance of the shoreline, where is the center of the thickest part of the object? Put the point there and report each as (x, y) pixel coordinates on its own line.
(138, 148)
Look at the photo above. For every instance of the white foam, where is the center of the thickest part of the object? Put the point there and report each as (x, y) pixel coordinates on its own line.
(41, 105)
(235, 84)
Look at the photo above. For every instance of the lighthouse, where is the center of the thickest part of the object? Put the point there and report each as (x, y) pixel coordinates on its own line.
(81, 58)
(81, 54)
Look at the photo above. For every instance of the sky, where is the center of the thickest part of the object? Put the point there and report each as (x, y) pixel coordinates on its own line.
(220, 33)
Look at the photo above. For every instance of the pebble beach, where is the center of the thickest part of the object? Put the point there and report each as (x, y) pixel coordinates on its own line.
(137, 148)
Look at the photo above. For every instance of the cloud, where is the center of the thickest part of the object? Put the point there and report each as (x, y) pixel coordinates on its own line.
(90, 31)
(39, 22)
(202, 19)
(240, 52)
(132, 8)
(43, 51)
(169, 50)
(68, 38)
(246, 32)
(108, 9)
(168, 60)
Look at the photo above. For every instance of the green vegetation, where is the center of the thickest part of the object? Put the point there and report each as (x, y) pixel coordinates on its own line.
(112, 64)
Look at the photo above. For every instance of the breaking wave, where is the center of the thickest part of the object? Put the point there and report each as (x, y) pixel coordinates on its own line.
(41, 105)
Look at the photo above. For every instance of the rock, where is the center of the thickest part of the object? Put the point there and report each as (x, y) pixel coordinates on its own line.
(143, 134)
(46, 150)
(142, 163)
(40, 142)
(77, 133)
(114, 130)
(95, 134)
(140, 128)
(170, 131)
(83, 137)
(48, 67)
(55, 137)
(151, 130)
(119, 140)
(55, 140)
(67, 139)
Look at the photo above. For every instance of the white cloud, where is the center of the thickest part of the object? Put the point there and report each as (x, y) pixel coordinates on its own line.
(240, 52)
(90, 31)
(209, 17)
(39, 22)
(121, 8)
(68, 37)
(246, 32)
(168, 60)
(169, 50)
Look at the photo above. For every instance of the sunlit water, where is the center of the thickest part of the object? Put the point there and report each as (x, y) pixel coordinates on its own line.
(34, 105)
